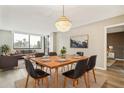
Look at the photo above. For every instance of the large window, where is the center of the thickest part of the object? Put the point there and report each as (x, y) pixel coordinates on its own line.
(27, 41)
(35, 41)
(21, 40)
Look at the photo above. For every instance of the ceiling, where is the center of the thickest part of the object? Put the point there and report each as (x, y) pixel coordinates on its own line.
(41, 19)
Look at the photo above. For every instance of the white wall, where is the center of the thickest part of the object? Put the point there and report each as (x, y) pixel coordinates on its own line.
(6, 38)
(97, 39)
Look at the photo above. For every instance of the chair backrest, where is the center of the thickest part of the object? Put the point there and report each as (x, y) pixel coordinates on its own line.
(80, 68)
(52, 54)
(80, 53)
(39, 54)
(30, 68)
(92, 62)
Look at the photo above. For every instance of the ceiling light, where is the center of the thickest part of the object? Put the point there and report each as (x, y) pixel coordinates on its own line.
(63, 24)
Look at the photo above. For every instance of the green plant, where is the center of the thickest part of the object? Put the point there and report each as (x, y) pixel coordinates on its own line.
(63, 51)
(5, 49)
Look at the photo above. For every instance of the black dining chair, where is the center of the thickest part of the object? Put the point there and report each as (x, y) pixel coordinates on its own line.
(80, 53)
(52, 54)
(36, 74)
(39, 55)
(91, 64)
(76, 73)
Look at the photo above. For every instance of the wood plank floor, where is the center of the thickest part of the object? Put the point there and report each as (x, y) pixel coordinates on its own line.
(114, 76)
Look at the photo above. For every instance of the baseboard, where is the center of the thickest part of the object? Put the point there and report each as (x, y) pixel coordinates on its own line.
(101, 68)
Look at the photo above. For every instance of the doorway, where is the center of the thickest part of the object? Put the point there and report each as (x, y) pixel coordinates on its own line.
(114, 44)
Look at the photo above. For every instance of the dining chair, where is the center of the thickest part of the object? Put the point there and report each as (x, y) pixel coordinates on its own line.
(76, 73)
(36, 74)
(52, 54)
(91, 64)
(39, 55)
(80, 54)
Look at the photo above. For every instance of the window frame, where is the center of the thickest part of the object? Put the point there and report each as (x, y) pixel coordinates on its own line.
(28, 39)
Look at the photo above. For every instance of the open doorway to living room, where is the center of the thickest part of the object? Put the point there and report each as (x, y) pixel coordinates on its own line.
(114, 55)
(115, 44)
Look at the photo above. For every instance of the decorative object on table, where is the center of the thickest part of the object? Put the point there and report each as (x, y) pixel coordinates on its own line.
(63, 52)
(46, 60)
(5, 49)
(63, 24)
(45, 57)
(62, 60)
(79, 41)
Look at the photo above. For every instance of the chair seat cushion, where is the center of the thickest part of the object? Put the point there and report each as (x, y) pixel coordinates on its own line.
(69, 74)
(40, 73)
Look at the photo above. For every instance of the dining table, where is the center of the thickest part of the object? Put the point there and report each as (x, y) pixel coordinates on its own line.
(55, 62)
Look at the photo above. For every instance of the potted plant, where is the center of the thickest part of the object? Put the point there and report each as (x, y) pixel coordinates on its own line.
(5, 49)
(63, 52)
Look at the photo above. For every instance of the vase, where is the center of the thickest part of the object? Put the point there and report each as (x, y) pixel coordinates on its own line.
(63, 56)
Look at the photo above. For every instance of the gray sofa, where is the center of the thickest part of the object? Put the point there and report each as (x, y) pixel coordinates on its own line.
(20, 53)
(8, 62)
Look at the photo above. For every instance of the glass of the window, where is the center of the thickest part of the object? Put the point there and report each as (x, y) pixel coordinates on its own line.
(35, 41)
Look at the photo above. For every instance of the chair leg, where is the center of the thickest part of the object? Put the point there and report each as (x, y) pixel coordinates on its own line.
(38, 82)
(64, 69)
(46, 82)
(88, 79)
(27, 81)
(71, 66)
(75, 83)
(50, 71)
(65, 80)
(67, 67)
(85, 79)
(36, 66)
(94, 74)
(35, 83)
(42, 81)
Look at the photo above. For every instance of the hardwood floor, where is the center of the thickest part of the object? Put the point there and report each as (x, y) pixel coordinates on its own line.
(114, 76)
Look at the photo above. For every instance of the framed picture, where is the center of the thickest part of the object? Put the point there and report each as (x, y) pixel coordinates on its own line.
(79, 41)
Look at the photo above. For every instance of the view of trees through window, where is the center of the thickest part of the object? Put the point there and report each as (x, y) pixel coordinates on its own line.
(35, 41)
(27, 41)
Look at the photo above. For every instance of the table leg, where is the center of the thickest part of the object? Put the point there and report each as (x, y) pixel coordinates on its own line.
(56, 77)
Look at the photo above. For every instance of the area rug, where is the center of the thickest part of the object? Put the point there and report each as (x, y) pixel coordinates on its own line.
(100, 81)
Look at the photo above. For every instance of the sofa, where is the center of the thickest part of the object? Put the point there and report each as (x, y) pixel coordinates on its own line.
(8, 62)
(20, 53)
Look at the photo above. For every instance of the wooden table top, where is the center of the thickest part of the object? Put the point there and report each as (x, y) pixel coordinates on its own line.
(54, 62)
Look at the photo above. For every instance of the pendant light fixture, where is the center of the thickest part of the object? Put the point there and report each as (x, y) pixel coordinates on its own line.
(63, 24)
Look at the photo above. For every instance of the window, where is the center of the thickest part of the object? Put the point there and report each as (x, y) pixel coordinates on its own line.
(35, 41)
(21, 40)
(27, 41)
